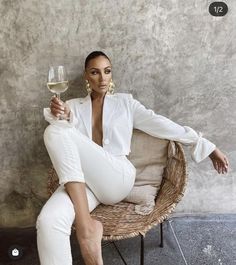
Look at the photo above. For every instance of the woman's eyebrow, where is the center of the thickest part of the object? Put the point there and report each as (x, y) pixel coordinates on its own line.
(99, 69)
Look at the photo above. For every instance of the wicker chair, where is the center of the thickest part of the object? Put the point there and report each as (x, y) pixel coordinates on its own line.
(120, 221)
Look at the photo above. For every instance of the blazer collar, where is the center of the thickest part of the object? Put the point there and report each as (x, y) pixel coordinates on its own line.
(109, 105)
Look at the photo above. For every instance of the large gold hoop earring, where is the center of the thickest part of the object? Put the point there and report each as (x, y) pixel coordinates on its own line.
(111, 88)
(88, 88)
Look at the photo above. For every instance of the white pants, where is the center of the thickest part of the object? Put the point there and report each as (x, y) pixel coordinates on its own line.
(76, 158)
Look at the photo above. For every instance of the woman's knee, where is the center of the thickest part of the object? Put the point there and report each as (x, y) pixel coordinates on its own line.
(107, 199)
(47, 223)
(59, 218)
(44, 221)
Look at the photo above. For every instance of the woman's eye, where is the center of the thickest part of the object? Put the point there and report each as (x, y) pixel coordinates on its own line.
(106, 72)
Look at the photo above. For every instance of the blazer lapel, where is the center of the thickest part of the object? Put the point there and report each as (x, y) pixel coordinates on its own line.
(86, 114)
(109, 106)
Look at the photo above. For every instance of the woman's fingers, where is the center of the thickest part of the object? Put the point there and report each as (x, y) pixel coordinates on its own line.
(219, 167)
(226, 161)
(56, 106)
(222, 167)
(225, 169)
(215, 165)
(56, 111)
(225, 164)
(56, 103)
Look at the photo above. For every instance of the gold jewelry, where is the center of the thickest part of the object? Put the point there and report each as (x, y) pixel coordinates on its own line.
(88, 88)
(111, 88)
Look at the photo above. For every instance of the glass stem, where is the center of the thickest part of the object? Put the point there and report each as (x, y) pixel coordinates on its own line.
(58, 96)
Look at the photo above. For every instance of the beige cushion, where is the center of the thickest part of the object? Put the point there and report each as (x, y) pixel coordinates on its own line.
(149, 156)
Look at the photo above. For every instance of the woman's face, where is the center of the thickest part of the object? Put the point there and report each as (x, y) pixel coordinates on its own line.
(98, 74)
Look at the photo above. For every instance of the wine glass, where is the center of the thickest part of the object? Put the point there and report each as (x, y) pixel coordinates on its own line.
(57, 81)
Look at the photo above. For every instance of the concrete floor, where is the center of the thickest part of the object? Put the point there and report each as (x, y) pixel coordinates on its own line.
(188, 240)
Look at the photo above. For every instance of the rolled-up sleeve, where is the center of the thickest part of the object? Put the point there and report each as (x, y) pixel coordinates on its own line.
(159, 126)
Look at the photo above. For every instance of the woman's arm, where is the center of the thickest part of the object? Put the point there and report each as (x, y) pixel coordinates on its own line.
(57, 108)
(159, 126)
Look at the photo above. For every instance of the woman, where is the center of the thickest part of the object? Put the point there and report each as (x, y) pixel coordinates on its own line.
(88, 150)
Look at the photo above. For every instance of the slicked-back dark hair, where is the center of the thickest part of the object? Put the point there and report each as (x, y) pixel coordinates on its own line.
(93, 55)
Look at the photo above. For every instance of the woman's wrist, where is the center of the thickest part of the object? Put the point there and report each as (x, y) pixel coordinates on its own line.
(213, 153)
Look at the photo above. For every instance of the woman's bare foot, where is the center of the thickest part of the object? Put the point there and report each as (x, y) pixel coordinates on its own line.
(90, 243)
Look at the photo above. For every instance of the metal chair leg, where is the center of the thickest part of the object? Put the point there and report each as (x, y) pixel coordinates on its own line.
(118, 251)
(161, 234)
(142, 251)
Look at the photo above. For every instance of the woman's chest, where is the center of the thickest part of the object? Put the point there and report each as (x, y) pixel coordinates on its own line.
(97, 126)
(104, 123)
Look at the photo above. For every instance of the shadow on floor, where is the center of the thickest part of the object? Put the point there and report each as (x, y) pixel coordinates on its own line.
(188, 240)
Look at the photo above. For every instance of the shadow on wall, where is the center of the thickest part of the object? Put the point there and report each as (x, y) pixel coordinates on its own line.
(27, 192)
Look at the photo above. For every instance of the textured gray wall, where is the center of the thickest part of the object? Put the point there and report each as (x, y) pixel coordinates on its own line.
(172, 55)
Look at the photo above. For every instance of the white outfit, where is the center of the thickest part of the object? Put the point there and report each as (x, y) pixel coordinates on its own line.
(108, 174)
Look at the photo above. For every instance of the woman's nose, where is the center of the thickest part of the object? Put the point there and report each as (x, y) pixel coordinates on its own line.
(102, 77)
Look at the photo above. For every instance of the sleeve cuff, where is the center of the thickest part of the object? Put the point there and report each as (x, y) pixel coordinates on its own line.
(55, 121)
(202, 149)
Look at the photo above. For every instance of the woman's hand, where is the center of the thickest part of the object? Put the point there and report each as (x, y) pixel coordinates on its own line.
(220, 161)
(58, 107)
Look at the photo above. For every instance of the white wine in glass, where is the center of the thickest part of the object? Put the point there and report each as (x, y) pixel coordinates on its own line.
(58, 87)
(57, 81)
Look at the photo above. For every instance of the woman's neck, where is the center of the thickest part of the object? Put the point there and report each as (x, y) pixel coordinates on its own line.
(97, 97)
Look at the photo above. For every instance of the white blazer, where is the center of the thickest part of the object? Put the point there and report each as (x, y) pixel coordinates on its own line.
(122, 113)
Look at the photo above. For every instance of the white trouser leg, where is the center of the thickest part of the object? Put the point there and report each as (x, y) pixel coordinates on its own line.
(76, 158)
(54, 227)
